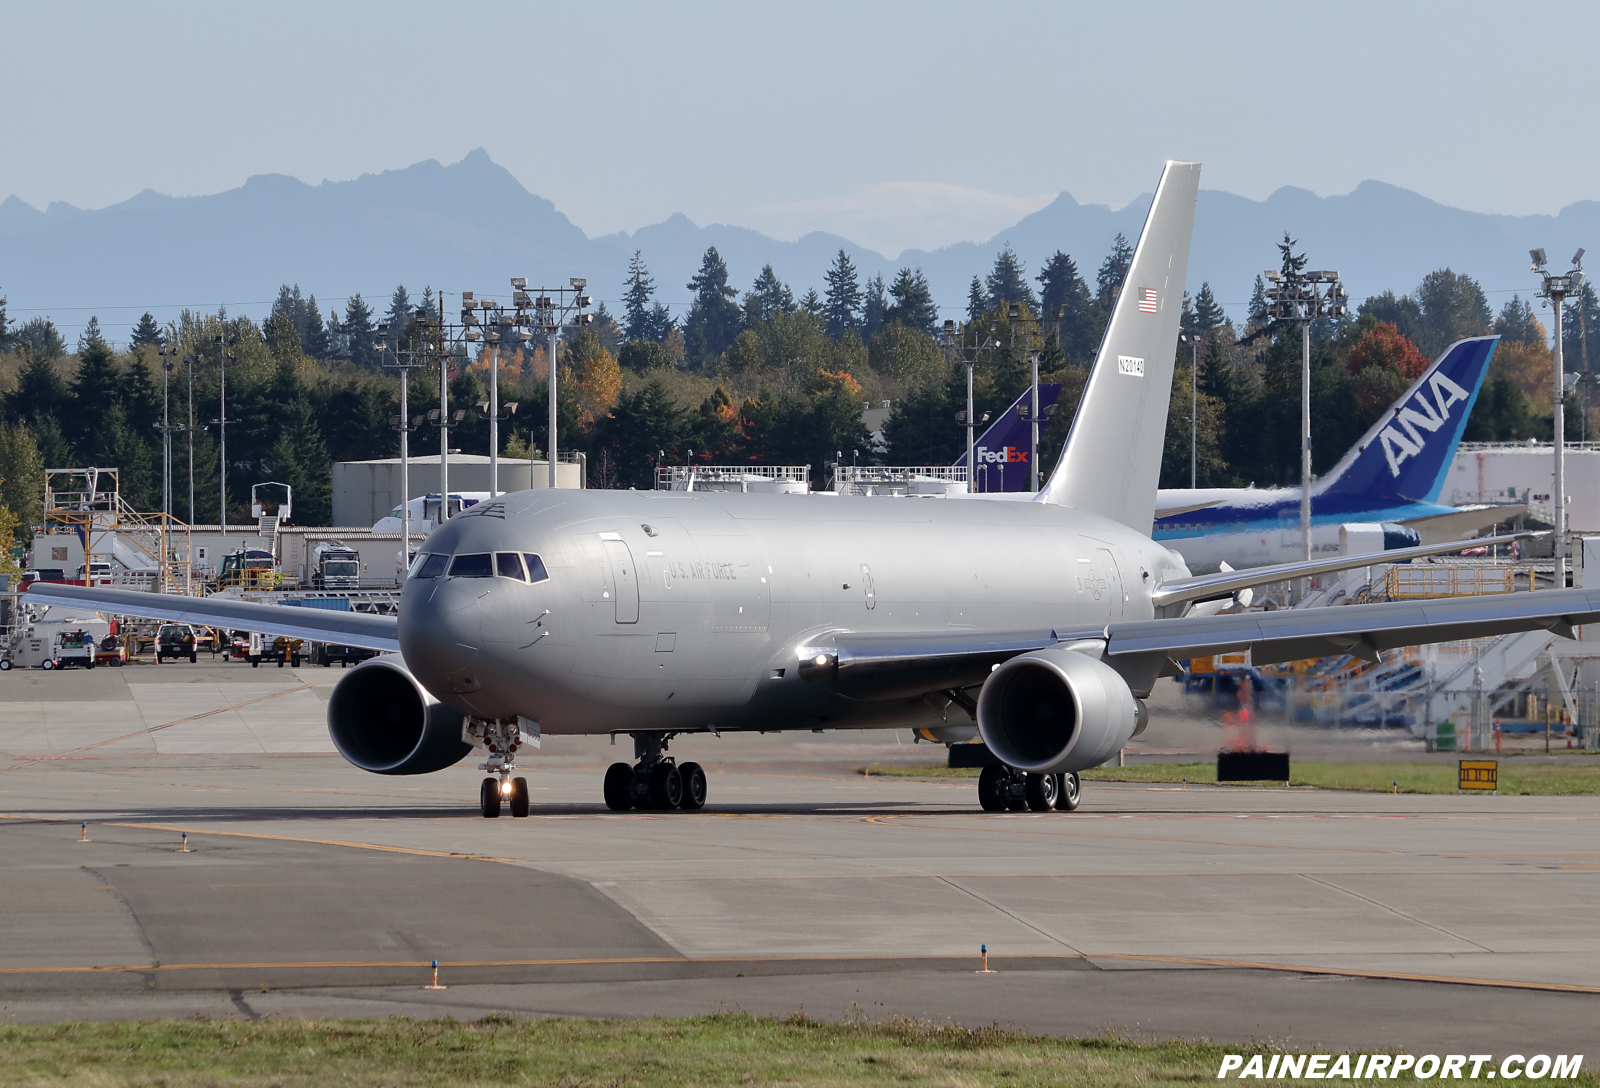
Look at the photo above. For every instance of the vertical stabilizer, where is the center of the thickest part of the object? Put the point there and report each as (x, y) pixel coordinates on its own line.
(1112, 460)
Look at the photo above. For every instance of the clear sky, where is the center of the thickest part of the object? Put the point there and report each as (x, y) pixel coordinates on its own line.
(897, 125)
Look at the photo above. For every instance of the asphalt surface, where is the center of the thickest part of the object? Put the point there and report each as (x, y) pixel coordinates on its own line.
(1434, 924)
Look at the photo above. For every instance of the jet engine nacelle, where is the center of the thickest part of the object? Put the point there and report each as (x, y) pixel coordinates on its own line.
(1057, 710)
(385, 722)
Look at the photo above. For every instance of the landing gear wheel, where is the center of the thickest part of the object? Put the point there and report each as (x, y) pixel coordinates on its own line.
(1040, 792)
(519, 798)
(992, 788)
(1069, 792)
(694, 787)
(666, 786)
(619, 787)
(489, 798)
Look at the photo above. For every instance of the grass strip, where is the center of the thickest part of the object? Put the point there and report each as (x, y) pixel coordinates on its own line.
(1515, 777)
(728, 1049)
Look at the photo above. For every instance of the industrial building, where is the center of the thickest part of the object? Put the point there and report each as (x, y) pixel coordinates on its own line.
(1523, 472)
(364, 491)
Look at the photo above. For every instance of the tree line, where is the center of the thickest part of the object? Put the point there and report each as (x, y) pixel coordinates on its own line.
(759, 376)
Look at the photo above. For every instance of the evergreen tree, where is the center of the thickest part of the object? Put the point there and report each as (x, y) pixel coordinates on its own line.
(843, 297)
(977, 301)
(874, 308)
(95, 391)
(42, 338)
(812, 303)
(1008, 282)
(1208, 315)
(399, 316)
(1068, 308)
(644, 426)
(768, 298)
(1113, 270)
(430, 303)
(53, 449)
(636, 313)
(314, 337)
(90, 338)
(913, 304)
(1517, 323)
(336, 337)
(146, 333)
(299, 458)
(1576, 317)
(282, 341)
(8, 337)
(40, 392)
(713, 319)
(357, 333)
(661, 323)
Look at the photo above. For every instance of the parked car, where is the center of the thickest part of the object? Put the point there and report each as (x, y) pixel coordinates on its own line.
(326, 653)
(175, 640)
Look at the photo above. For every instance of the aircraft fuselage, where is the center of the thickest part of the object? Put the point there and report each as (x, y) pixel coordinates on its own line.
(675, 611)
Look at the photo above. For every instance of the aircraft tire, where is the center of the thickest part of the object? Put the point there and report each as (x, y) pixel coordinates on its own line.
(694, 787)
(1069, 792)
(666, 786)
(519, 798)
(619, 787)
(1040, 792)
(489, 798)
(992, 788)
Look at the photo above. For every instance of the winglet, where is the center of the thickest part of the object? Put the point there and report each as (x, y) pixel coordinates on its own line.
(1112, 459)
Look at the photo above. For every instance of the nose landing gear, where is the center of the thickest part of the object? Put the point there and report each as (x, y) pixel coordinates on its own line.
(1002, 788)
(502, 741)
(657, 781)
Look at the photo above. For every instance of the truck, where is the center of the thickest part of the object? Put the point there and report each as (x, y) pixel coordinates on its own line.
(249, 568)
(46, 644)
(334, 566)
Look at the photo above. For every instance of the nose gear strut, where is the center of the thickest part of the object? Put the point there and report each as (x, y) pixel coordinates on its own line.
(500, 739)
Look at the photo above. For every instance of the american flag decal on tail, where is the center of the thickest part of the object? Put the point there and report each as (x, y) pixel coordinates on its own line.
(1148, 304)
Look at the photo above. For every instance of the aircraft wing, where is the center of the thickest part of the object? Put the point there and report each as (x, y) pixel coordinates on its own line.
(1464, 519)
(315, 624)
(1174, 511)
(880, 667)
(1227, 582)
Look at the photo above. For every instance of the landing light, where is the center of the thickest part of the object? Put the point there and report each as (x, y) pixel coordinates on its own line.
(505, 788)
(820, 660)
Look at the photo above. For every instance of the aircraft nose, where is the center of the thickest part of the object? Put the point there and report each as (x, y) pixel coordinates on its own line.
(440, 630)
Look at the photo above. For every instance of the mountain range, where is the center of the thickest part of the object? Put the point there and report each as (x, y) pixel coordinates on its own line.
(471, 225)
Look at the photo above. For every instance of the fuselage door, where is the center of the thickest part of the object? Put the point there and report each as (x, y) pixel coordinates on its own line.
(624, 578)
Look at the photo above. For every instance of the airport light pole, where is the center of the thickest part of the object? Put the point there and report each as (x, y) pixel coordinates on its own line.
(1555, 289)
(955, 339)
(405, 363)
(553, 312)
(1298, 298)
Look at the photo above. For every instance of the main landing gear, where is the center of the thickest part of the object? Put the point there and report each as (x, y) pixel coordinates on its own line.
(502, 741)
(1001, 788)
(657, 781)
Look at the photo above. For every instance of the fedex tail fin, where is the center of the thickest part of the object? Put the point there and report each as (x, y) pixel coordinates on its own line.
(1405, 455)
(1112, 460)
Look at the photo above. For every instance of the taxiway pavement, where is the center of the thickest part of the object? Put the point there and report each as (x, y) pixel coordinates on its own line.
(311, 888)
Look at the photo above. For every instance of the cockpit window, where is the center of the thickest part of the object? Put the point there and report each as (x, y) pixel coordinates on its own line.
(472, 566)
(536, 571)
(508, 565)
(430, 565)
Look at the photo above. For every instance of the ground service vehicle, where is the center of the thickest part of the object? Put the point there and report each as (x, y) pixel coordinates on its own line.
(175, 640)
(1041, 626)
(249, 568)
(335, 567)
(326, 653)
(111, 651)
(73, 649)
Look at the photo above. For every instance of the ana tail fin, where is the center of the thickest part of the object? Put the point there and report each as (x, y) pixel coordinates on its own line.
(1405, 455)
(1112, 460)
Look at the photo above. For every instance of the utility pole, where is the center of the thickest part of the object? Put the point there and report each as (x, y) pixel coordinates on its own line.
(1298, 297)
(1555, 289)
(405, 363)
(954, 339)
(222, 423)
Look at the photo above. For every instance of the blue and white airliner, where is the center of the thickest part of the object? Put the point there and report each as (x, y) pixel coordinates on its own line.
(1392, 477)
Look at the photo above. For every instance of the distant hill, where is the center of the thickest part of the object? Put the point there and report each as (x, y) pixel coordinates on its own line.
(472, 225)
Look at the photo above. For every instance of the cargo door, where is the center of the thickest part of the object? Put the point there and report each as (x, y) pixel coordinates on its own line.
(623, 578)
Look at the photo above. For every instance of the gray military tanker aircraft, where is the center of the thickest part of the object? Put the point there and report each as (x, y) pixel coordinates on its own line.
(1040, 626)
